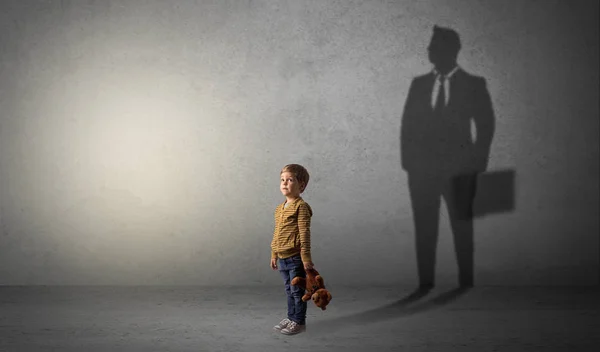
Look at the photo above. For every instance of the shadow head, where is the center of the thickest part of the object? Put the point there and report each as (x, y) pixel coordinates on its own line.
(443, 48)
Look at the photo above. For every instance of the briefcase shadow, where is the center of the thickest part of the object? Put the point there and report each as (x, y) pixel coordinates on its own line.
(495, 193)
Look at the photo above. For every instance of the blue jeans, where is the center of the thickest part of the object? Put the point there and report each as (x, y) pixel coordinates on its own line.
(289, 269)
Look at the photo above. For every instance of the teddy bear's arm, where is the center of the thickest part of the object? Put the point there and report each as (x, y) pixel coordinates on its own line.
(320, 281)
(300, 281)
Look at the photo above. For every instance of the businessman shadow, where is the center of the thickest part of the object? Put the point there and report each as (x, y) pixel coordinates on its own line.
(404, 307)
(447, 129)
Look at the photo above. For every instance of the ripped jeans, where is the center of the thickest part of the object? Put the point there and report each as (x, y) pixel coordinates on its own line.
(289, 268)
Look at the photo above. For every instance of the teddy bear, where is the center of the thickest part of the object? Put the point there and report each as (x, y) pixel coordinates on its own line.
(315, 288)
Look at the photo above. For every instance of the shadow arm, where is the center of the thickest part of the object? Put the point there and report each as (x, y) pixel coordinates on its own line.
(485, 124)
(407, 130)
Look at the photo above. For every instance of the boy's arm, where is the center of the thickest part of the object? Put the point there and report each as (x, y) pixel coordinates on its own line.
(304, 215)
(273, 253)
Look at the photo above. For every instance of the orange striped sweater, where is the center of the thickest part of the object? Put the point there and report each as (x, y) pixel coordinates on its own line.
(292, 231)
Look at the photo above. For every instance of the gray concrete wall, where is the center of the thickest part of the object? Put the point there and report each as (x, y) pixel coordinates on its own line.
(141, 141)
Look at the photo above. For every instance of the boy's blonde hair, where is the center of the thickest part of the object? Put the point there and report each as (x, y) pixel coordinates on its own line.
(299, 171)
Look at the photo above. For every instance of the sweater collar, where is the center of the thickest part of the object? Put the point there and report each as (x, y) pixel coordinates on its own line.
(294, 201)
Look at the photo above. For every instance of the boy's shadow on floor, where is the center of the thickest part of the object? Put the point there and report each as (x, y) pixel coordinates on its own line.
(400, 308)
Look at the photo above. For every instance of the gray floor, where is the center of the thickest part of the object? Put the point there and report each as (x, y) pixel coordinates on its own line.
(241, 319)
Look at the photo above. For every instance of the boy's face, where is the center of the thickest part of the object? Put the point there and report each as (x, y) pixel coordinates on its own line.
(289, 185)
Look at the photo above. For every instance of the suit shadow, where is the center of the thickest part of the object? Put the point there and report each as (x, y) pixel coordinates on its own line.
(447, 128)
(406, 306)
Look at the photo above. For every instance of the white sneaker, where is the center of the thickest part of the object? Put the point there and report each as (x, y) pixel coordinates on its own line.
(293, 328)
(282, 324)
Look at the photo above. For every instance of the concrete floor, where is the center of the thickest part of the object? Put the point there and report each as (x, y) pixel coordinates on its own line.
(241, 319)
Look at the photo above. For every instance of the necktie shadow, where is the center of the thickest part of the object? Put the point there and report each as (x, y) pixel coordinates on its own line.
(404, 307)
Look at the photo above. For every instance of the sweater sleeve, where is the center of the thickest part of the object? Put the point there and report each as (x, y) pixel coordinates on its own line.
(273, 241)
(304, 217)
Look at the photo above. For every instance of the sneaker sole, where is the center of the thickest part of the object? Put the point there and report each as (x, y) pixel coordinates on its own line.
(286, 332)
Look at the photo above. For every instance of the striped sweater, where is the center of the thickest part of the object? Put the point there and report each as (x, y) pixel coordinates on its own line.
(292, 231)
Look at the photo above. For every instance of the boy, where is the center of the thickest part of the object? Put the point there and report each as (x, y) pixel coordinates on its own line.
(290, 248)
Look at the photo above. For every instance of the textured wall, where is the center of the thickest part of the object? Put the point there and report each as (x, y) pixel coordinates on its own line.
(141, 141)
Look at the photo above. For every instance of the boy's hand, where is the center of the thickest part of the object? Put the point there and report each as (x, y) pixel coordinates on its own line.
(274, 264)
(308, 265)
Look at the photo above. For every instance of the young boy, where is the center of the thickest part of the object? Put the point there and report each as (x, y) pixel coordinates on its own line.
(290, 248)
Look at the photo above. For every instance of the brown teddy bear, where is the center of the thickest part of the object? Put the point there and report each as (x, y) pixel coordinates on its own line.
(315, 288)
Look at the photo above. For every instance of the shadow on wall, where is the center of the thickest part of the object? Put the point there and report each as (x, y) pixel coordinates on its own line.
(447, 129)
(495, 193)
